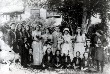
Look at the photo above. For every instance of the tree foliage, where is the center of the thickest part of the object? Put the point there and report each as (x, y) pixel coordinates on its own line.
(74, 11)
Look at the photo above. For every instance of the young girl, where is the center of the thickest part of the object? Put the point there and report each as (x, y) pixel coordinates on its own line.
(37, 46)
(57, 59)
(76, 62)
(100, 56)
(79, 44)
(47, 61)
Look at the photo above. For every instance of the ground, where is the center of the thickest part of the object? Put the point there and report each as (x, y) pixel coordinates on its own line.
(17, 69)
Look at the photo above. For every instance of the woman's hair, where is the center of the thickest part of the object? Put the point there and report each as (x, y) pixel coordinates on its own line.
(57, 51)
(46, 53)
(28, 27)
(80, 31)
(48, 30)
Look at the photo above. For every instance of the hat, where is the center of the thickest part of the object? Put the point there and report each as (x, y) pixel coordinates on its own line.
(66, 29)
(87, 39)
(48, 42)
(100, 32)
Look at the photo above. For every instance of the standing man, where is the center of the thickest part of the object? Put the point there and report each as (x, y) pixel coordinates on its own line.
(56, 34)
(12, 37)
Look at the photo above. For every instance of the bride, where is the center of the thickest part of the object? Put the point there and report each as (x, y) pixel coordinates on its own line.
(37, 46)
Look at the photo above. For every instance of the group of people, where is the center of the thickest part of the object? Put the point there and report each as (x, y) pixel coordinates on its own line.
(41, 47)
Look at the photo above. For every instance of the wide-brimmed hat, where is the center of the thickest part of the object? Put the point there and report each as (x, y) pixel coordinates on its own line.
(66, 29)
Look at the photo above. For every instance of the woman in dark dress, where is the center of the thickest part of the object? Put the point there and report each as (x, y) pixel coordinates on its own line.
(47, 61)
(76, 63)
(57, 59)
(28, 35)
(25, 53)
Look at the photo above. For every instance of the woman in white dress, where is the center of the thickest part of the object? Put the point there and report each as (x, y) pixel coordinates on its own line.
(37, 46)
(67, 48)
(80, 42)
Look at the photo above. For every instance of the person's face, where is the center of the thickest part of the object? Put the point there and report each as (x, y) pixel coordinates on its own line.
(88, 43)
(79, 30)
(27, 27)
(86, 55)
(47, 31)
(66, 32)
(77, 54)
(58, 53)
(48, 46)
(13, 26)
(37, 28)
(48, 51)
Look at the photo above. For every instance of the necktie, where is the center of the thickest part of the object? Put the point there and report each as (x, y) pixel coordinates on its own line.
(77, 61)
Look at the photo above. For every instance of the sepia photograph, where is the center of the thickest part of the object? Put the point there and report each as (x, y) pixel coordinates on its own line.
(54, 36)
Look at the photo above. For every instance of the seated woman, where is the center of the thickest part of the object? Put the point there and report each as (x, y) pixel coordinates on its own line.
(66, 61)
(85, 61)
(47, 61)
(57, 59)
(76, 63)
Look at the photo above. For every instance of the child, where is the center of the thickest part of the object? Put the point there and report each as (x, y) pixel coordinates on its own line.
(99, 55)
(76, 62)
(47, 61)
(57, 59)
(47, 45)
(30, 56)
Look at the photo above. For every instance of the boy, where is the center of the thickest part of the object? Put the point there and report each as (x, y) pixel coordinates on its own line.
(76, 63)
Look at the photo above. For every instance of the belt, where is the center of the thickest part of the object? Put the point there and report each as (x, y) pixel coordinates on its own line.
(36, 40)
(79, 42)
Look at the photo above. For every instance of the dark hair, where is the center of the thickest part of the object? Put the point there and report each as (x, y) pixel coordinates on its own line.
(80, 32)
(87, 53)
(48, 54)
(28, 27)
(89, 41)
(57, 51)
(78, 52)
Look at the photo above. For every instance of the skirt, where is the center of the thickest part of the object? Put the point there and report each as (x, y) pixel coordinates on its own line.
(37, 52)
(68, 50)
(79, 47)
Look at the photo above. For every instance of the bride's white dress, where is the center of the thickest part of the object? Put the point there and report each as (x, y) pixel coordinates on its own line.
(67, 46)
(37, 49)
(79, 45)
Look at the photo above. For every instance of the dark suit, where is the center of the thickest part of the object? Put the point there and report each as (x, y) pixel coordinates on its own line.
(66, 61)
(78, 64)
